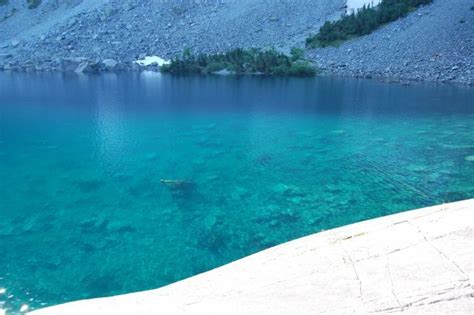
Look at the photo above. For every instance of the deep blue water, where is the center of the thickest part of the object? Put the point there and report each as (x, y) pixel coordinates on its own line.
(83, 212)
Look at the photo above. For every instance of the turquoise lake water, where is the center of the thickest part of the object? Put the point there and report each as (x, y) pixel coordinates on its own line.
(83, 212)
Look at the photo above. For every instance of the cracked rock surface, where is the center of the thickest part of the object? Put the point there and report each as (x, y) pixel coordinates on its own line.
(417, 262)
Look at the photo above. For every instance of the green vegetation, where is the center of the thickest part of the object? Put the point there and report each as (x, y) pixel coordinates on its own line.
(243, 61)
(364, 22)
(33, 4)
(3, 2)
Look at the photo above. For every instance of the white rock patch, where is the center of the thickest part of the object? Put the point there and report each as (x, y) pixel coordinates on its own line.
(152, 60)
(354, 5)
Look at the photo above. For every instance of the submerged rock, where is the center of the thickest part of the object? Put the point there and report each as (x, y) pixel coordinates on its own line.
(180, 189)
(239, 194)
(151, 156)
(215, 240)
(288, 190)
(88, 185)
(177, 184)
(280, 188)
(469, 158)
(6, 229)
(94, 225)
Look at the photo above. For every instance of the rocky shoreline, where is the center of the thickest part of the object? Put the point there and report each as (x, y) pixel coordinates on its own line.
(433, 44)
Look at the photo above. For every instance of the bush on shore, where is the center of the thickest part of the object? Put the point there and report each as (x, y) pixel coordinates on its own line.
(243, 61)
(363, 22)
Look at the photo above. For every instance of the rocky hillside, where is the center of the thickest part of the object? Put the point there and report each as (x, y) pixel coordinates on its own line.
(435, 43)
(125, 29)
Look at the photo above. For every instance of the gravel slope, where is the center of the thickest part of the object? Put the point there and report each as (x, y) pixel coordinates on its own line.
(436, 43)
(124, 30)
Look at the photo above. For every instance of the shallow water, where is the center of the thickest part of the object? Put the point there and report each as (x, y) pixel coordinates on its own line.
(83, 212)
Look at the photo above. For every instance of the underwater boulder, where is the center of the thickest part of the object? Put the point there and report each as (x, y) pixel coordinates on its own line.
(176, 185)
(288, 190)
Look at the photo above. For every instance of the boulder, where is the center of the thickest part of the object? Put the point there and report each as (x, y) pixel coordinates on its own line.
(72, 63)
(15, 43)
(110, 64)
(5, 55)
(82, 67)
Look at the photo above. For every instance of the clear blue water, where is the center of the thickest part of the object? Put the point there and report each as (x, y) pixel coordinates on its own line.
(83, 212)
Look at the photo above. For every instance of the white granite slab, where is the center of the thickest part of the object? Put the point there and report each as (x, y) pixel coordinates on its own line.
(416, 262)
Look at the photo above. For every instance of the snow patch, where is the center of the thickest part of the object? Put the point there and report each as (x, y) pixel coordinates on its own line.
(354, 5)
(152, 60)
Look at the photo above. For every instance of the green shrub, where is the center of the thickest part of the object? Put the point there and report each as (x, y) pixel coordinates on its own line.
(302, 68)
(33, 4)
(215, 66)
(363, 22)
(297, 53)
(242, 61)
(3, 2)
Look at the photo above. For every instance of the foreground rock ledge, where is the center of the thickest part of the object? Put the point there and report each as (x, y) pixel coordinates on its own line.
(419, 261)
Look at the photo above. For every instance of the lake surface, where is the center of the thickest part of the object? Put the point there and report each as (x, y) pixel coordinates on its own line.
(83, 212)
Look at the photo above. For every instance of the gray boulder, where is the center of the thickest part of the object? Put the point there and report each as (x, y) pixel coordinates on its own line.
(110, 64)
(82, 67)
(15, 43)
(72, 63)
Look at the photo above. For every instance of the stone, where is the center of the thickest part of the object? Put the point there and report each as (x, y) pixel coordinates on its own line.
(5, 55)
(110, 64)
(469, 158)
(239, 193)
(280, 188)
(15, 43)
(288, 190)
(82, 67)
(71, 63)
(151, 156)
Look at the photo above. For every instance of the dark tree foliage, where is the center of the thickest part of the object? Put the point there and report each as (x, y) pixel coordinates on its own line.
(242, 61)
(364, 22)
